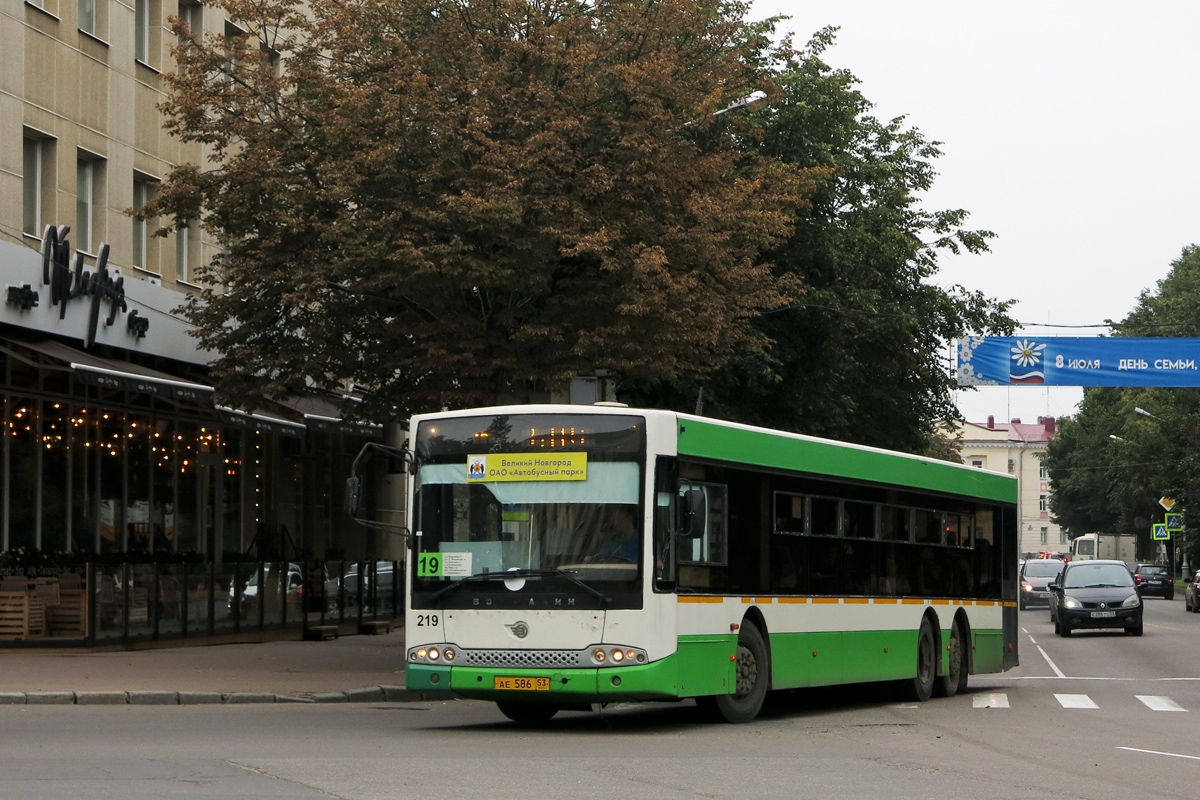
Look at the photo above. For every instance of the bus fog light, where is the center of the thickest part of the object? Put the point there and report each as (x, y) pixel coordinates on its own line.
(598, 656)
(434, 654)
(618, 656)
(616, 680)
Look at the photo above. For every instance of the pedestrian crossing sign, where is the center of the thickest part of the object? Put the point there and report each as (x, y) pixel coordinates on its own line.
(1174, 522)
(1160, 532)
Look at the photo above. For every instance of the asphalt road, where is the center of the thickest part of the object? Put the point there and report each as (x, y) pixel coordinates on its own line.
(1099, 715)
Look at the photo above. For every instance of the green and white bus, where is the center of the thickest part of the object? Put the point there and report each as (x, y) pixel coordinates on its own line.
(564, 556)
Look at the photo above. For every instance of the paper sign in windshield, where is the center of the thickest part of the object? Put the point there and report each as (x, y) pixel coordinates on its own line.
(527, 467)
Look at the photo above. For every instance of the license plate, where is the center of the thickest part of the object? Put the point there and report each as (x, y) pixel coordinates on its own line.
(1103, 614)
(1041, 594)
(522, 684)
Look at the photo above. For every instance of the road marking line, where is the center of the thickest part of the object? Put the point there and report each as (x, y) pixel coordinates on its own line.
(1160, 703)
(1053, 666)
(1075, 701)
(1159, 753)
(993, 700)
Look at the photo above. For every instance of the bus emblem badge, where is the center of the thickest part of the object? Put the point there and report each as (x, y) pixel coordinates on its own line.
(518, 629)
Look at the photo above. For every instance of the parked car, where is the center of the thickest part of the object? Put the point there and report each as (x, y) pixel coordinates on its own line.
(1095, 594)
(384, 572)
(1154, 580)
(1036, 577)
(1191, 593)
(295, 589)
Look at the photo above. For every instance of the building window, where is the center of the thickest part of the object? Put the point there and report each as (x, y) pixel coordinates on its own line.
(141, 30)
(183, 266)
(85, 203)
(1042, 503)
(1045, 532)
(1062, 537)
(192, 15)
(977, 463)
(32, 186)
(141, 228)
(87, 16)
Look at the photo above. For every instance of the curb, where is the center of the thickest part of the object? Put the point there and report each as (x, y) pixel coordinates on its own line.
(367, 694)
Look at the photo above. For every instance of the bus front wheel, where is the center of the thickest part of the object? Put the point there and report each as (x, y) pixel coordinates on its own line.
(528, 713)
(753, 676)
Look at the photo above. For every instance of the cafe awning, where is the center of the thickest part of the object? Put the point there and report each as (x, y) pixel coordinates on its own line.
(111, 373)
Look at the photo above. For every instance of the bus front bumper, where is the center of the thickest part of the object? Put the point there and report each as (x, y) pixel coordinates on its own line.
(654, 681)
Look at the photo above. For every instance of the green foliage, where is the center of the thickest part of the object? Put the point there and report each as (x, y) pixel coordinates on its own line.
(858, 353)
(1102, 483)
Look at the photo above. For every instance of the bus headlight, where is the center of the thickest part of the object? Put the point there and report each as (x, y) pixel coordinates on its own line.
(432, 653)
(617, 655)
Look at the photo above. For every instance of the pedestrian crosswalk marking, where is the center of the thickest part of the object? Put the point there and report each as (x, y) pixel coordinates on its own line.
(993, 700)
(1075, 701)
(1160, 703)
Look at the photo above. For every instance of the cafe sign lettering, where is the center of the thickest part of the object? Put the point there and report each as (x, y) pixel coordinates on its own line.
(68, 282)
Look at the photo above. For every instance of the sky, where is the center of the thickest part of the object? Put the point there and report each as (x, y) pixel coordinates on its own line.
(1069, 129)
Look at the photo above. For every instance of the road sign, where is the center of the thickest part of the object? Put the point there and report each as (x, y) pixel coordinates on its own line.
(1160, 532)
(1174, 522)
(1166, 503)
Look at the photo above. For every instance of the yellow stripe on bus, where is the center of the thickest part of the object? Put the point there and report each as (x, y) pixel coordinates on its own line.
(694, 599)
(856, 600)
(830, 600)
(913, 601)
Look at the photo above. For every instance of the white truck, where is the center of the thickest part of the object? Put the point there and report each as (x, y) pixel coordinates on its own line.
(1115, 546)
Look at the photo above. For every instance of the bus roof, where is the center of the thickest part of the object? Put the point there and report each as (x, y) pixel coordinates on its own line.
(719, 440)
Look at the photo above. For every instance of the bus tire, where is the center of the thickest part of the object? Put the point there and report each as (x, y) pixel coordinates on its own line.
(752, 676)
(527, 713)
(920, 686)
(958, 671)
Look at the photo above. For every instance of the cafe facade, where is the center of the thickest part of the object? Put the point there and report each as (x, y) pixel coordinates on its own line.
(116, 443)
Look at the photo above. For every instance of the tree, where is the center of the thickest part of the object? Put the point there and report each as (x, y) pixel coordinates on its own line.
(1101, 483)
(858, 352)
(450, 202)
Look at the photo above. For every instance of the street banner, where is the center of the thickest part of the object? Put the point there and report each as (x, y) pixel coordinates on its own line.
(1077, 361)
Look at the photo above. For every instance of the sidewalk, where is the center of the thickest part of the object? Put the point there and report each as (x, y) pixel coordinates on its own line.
(360, 668)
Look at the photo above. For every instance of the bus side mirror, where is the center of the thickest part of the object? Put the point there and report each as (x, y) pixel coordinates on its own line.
(693, 514)
(353, 492)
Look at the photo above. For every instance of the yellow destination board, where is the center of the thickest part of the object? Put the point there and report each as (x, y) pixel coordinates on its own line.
(527, 467)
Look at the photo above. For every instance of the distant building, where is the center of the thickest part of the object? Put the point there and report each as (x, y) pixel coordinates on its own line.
(1017, 448)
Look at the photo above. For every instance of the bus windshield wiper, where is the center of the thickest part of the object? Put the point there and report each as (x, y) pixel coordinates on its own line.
(520, 573)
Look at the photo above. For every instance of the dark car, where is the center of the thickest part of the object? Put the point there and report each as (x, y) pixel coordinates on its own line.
(1191, 593)
(1095, 594)
(1036, 576)
(1154, 581)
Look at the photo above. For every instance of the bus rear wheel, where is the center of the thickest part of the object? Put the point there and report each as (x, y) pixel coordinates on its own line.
(920, 687)
(957, 672)
(528, 713)
(753, 676)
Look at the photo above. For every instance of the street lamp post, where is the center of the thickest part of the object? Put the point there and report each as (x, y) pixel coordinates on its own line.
(1170, 541)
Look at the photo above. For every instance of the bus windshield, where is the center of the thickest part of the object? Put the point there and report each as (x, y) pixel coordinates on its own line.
(554, 499)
